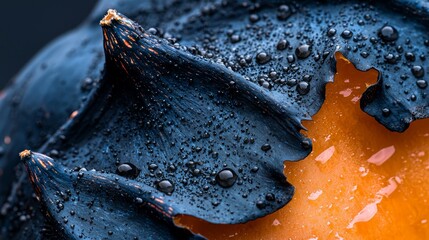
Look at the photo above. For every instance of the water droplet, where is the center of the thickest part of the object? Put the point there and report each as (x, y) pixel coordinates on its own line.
(306, 144)
(410, 56)
(422, 84)
(400, 49)
(152, 31)
(270, 197)
(266, 85)
(418, 71)
(303, 51)
(254, 169)
(166, 186)
(390, 58)
(388, 33)
(153, 166)
(60, 206)
(254, 18)
(283, 12)
(364, 54)
(260, 204)
(226, 178)
(171, 168)
(243, 62)
(303, 87)
(86, 84)
(307, 78)
(196, 172)
(291, 82)
(128, 170)
(385, 112)
(346, 34)
(262, 58)
(235, 38)
(331, 32)
(273, 75)
(282, 44)
(265, 147)
(54, 153)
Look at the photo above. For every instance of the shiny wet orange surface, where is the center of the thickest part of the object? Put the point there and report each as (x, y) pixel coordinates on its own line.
(360, 182)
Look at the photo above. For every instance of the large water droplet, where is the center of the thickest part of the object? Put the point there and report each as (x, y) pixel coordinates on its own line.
(283, 12)
(303, 87)
(226, 178)
(282, 44)
(418, 71)
(410, 56)
(265, 147)
(128, 170)
(291, 82)
(262, 58)
(166, 186)
(422, 84)
(388, 33)
(303, 51)
(346, 34)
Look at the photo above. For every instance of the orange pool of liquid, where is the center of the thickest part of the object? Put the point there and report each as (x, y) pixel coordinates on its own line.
(360, 182)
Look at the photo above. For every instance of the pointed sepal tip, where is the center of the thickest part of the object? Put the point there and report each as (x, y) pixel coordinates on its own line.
(112, 14)
(25, 154)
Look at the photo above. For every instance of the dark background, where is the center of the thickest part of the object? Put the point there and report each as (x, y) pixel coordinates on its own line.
(28, 25)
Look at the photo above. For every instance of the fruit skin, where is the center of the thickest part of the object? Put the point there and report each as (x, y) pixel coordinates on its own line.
(36, 104)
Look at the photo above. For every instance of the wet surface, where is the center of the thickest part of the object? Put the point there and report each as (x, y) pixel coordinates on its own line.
(345, 196)
(226, 88)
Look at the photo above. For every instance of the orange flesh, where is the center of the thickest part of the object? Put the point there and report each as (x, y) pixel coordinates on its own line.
(330, 195)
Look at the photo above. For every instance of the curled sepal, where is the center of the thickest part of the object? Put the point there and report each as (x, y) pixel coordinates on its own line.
(88, 204)
(291, 51)
(218, 139)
